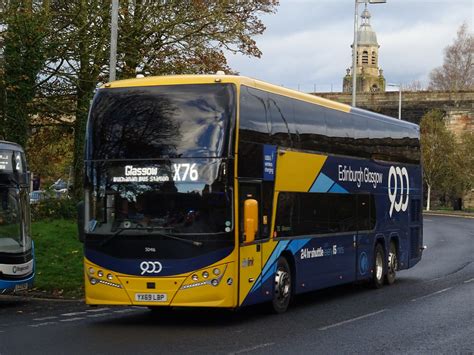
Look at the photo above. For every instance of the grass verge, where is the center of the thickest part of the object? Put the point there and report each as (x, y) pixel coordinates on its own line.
(58, 259)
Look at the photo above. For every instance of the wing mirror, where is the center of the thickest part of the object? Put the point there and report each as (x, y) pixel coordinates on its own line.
(250, 220)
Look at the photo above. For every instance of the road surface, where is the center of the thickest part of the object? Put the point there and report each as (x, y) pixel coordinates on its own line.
(429, 310)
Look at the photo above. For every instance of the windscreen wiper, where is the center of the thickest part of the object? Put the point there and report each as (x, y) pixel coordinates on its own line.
(156, 230)
(170, 236)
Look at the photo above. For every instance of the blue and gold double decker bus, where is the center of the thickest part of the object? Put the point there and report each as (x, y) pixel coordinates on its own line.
(224, 191)
(16, 246)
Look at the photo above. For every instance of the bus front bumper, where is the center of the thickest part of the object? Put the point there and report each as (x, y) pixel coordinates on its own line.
(214, 286)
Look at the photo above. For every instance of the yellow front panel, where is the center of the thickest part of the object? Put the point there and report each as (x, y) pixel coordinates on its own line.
(102, 290)
(218, 289)
(297, 171)
(195, 294)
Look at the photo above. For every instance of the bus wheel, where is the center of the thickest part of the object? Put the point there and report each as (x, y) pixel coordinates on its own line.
(392, 264)
(282, 286)
(379, 266)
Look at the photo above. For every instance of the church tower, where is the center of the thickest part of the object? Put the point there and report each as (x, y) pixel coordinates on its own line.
(369, 75)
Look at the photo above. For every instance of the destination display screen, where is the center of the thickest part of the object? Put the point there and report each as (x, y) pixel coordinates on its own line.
(175, 171)
(6, 161)
(11, 161)
(155, 173)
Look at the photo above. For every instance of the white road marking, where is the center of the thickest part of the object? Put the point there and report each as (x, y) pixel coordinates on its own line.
(125, 310)
(97, 309)
(45, 318)
(41, 324)
(352, 320)
(73, 314)
(96, 315)
(71, 319)
(467, 281)
(246, 350)
(437, 278)
(431, 294)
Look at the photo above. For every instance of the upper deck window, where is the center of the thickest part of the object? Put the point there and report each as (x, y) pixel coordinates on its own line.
(170, 121)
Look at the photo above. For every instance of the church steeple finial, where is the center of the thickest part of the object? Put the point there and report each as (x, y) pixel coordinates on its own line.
(366, 17)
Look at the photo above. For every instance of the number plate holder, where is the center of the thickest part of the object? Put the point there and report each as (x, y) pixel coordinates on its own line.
(151, 297)
(21, 287)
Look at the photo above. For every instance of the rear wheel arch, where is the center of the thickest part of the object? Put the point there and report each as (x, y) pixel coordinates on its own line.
(392, 256)
(290, 258)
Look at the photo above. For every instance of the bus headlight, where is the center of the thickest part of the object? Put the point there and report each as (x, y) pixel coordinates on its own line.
(195, 277)
(216, 271)
(109, 276)
(205, 274)
(91, 270)
(214, 282)
(100, 273)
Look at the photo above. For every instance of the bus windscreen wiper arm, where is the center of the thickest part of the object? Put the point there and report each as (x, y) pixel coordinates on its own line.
(151, 229)
(193, 242)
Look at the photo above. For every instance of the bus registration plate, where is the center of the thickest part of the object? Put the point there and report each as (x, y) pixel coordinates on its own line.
(21, 287)
(151, 297)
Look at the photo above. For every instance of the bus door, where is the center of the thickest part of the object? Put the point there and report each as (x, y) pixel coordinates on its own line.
(250, 260)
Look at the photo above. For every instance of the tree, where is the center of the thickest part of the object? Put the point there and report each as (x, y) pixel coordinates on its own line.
(50, 152)
(462, 179)
(415, 85)
(56, 54)
(86, 33)
(25, 30)
(155, 37)
(177, 37)
(457, 71)
(438, 147)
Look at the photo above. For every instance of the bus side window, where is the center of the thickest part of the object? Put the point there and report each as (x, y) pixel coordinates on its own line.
(363, 212)
(254, 116)
(283, 130)
(285, 214)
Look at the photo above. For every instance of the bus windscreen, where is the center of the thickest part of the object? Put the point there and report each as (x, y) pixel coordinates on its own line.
(170, 121)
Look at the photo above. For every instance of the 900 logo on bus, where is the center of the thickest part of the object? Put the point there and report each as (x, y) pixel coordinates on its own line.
(397, 176)
(150, 267)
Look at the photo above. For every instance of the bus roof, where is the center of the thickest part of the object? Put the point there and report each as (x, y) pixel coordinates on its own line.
(11, 146)
(243, 80)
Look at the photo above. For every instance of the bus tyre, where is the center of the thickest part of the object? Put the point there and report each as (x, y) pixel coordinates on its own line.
(379, 266)
(282, 286)
(392, 264)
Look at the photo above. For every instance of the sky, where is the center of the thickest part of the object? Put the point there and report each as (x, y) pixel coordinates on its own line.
(307, 42)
